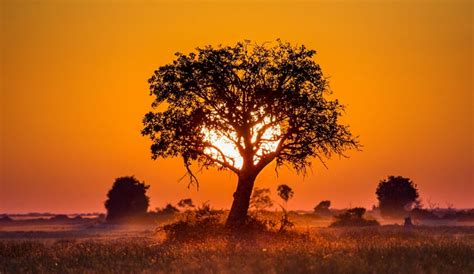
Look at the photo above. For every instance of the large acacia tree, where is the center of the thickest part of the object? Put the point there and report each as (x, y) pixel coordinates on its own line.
(241, 107)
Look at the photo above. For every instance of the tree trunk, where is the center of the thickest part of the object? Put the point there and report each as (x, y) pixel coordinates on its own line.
(240, 205)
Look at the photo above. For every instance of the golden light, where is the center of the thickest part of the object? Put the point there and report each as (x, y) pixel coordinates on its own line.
(226, 150)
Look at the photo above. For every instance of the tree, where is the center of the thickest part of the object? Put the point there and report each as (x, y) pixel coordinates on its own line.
(396, 196)
(127, 198)
(285, 192)
(241, 107)
(323, 208)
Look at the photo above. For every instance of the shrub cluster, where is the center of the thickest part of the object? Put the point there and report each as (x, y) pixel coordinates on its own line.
(353, 217)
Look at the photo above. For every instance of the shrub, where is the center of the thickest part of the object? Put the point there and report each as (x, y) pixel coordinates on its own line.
(353, 217)
(186, 203)
(197, 224)
(323, 208)
(169, 209)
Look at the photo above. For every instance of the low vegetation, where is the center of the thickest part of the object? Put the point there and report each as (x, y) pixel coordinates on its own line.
(353, 217)
(385, 249)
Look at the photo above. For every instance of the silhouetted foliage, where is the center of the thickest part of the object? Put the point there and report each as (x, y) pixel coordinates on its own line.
(396, 196)
(186, 203)
(260, 199)
(323, 208)
(168, 209)
(240, 92)
(201, 222)
(353, 217)
(285, 192)
(126, 199)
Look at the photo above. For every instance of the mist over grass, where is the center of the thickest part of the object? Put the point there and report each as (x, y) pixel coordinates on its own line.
(387, 249)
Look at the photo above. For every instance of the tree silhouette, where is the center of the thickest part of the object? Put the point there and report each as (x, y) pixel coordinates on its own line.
(285, 192)
(241, 107)
(127, 198)
(396, 196)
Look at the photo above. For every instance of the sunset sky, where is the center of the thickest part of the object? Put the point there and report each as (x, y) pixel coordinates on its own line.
(74, 91)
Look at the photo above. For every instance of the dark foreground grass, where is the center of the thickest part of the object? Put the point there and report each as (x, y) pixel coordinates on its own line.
(331, 250)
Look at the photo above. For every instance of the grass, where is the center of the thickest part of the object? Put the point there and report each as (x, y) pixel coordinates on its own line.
(386, 249)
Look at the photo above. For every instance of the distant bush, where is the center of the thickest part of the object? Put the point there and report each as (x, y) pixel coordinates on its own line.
(353, 217)
(465, 215)
(126, 199)
(186, 204)
(323, 208)
(423, 214)
(169, 209)
(60, 218)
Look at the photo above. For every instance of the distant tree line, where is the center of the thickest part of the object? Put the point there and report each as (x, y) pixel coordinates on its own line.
(398, 198)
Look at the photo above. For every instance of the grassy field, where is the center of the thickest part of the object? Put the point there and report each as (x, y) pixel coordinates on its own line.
(385, 249)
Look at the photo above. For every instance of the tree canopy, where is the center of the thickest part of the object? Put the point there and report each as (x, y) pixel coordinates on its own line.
(396, 196)
(266, 102)
(127, 198)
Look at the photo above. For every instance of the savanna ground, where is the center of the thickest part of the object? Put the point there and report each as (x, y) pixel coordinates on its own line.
(311, 247)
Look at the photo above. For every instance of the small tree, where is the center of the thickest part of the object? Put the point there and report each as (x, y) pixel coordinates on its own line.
(127, 198)
(241, 107)
(396, 196)
(323, 208)
(285, 192)
(260, 199)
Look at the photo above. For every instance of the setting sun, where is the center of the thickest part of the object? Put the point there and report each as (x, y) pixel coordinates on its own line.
(224, 147)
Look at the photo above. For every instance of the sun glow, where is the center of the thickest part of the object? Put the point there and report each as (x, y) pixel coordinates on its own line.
(224, 146)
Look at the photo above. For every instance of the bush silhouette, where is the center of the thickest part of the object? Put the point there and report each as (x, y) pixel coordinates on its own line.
(196, 225)
(167, 210)
(323, 208)
(396, 196)
(126, 199)
(186, 203)
(353, 217)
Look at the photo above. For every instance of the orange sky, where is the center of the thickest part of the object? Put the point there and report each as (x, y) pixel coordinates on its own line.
(74, 91)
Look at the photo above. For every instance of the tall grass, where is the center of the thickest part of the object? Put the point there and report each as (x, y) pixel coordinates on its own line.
(329, 250)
